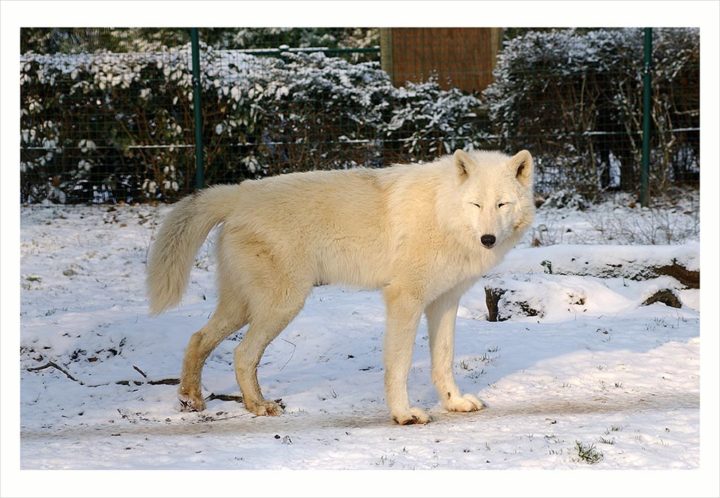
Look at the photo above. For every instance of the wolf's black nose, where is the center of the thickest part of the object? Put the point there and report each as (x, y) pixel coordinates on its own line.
(488, 240)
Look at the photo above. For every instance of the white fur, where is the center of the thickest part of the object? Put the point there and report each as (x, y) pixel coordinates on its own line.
(413, 231)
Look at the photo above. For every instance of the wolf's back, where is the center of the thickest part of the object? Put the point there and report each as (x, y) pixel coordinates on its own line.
(179, 239)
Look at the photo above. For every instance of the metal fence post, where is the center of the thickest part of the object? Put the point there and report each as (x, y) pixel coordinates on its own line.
(647, 110)
(197, 110)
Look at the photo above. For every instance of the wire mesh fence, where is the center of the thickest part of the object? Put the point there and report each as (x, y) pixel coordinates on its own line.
(107, 114)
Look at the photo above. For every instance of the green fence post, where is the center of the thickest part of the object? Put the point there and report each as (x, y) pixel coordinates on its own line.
(197, 110)
(647, 63)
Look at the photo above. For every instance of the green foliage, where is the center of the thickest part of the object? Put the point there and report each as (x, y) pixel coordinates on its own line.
(123, 121)
(84, 40)
(110, 110)
(587, 453)
(574, 97)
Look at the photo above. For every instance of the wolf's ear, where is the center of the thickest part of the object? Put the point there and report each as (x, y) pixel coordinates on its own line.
(463, 163)
(522, 165)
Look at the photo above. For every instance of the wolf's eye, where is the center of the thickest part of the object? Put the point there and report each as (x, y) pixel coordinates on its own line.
(475, 204)
(501, 204)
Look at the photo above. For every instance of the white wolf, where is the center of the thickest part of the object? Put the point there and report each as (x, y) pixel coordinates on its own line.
(423, 233)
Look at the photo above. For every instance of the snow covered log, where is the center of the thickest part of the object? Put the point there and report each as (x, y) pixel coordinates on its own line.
(680, 262)
(548, 283)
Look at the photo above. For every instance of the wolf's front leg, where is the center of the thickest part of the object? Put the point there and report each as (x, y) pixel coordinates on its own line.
(403, 315)
(441, 315)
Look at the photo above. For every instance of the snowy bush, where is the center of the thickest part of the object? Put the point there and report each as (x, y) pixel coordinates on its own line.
(575, 99)
(97, 115)
(430, 121)
(123, 122)
(77, 40)
(119, 126)
(309, 111)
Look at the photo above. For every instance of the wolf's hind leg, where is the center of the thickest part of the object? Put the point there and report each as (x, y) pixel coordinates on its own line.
(265, 325)
(227, 318)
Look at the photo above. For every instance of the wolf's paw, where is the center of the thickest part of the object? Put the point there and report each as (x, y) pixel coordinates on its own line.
(191, 402)
(466, 403)
(264, 407)
(412, 416)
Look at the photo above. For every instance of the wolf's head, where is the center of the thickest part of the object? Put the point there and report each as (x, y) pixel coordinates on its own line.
(496, 195)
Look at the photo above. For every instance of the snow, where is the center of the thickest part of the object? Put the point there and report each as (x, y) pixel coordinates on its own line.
(610, 373)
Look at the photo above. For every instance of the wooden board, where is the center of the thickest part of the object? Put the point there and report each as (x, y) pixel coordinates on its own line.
(460, 57)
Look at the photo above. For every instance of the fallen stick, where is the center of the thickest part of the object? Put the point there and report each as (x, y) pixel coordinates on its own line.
(52, 364)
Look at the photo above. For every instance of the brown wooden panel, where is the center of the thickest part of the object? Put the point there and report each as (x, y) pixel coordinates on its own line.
(459, 57)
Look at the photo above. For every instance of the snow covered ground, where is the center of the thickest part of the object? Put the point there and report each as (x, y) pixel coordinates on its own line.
(594, 380)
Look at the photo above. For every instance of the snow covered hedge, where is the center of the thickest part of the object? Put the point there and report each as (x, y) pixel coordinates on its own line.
(107, 126)
(100, 126)
(575, 99)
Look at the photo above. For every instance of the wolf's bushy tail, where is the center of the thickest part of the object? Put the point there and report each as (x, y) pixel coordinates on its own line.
(179, 239)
